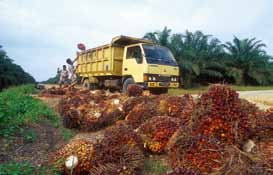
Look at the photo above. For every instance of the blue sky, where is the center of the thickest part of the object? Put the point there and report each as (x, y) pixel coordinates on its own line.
(39, 35)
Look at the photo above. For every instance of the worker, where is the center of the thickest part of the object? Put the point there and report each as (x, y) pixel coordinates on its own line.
(63, 76)
(72, 71)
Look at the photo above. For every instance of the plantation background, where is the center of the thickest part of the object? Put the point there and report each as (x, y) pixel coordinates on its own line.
(204, 59)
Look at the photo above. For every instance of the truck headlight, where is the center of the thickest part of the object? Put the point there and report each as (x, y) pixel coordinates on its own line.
(174, 79)
(154, 78)
(150, 78)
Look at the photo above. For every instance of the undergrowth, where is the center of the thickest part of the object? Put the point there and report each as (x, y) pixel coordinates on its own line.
(25, 168)
(155, 167)
(18, 109)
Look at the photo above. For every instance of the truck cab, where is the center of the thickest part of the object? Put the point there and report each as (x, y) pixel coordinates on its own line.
(151, 66)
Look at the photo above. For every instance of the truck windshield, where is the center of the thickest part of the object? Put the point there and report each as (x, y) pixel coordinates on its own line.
(158, 55)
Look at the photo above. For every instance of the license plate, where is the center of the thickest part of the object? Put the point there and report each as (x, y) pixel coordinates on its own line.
(164, 84)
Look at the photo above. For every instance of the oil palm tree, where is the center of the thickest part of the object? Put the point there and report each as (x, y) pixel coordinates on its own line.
(248, 62)
(159, 37)
(198, 56)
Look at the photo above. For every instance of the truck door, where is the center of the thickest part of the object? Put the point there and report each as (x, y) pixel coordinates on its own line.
(133, 63)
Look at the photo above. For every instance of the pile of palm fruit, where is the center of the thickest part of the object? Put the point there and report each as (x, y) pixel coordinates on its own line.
(53, 92)
(140, 109)
(226, 135)
(215, 133)
(91, 110)
(118, 153)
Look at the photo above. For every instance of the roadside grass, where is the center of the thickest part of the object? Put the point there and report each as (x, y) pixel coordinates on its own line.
(199, 90)
(18, 108)
(25, 168)
(18, 112)
(155, 167)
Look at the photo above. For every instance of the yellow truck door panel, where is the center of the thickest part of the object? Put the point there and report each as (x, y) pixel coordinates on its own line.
(133, 63)
(131, 67)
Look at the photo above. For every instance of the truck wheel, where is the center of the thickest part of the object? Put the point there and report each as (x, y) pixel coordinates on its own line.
(158, 91)
(127, 82)
(89, 86)
(86, 85)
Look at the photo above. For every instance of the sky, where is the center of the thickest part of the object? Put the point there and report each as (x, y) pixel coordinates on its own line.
(39, 35)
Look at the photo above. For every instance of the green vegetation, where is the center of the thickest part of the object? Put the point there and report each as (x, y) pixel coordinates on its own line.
(17, 169)
(18, 111)
(203, 59)
(10, 73)
(18, 108)
(29, 135)
(67, 133)
(155, 167)
(25, 168)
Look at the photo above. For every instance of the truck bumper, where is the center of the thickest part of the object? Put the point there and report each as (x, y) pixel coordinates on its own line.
(147, 85)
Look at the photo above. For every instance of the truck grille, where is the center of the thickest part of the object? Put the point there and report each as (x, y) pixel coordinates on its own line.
(163, 78)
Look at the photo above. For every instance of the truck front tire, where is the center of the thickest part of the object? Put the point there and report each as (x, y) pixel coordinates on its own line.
(86, 84)
(126, 83)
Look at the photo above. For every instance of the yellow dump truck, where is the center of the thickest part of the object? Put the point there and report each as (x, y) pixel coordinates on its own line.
(125, 61)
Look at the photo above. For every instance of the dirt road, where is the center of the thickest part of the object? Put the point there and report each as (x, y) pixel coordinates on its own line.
(263, 99)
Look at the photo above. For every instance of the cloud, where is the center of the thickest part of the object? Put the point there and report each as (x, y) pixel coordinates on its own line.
(40, 35)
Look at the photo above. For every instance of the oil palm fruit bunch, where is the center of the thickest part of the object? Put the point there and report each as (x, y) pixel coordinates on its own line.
(97, 116)
(219, 100)
(157, 131)
(198, 153)
(219, 113)
(119, 152)
(177, 106)
(265, 152)
(216, 127)
(264, 129)
(134, 90)
(141, 113)
(131, 102)
(75, 157)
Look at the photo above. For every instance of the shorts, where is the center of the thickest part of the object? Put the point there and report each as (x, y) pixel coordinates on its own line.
(63, 81)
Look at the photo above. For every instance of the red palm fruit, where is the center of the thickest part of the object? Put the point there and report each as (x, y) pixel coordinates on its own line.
(157, 131)
(134, 90)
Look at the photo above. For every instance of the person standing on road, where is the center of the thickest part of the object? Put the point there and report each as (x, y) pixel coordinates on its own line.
(72, 71)
(63, 76)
